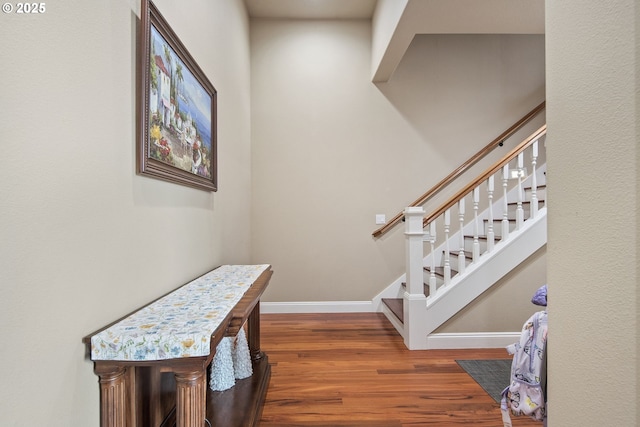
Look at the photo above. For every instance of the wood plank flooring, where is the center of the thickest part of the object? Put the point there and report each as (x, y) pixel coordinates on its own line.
(353, 369)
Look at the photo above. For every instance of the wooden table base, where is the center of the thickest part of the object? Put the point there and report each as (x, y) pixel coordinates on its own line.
(175, 391)
(241, 405)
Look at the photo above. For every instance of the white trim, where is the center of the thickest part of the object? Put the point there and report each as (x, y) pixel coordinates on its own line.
(318, 307)
(450, 341)
(434, 341)
(482, 275)
(394, 290)
(391, 317)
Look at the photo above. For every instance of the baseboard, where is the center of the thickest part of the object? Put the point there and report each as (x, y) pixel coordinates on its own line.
(318, 307)
(452, 341)
(434, 341)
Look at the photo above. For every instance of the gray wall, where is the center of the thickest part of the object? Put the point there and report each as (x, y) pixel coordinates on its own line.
(331, 149)
(83, 239)
(593, 244)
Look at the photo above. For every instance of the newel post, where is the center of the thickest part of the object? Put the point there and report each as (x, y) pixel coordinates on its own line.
(415, 301)
(414, 234)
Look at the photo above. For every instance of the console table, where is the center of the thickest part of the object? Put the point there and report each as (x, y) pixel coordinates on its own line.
(152, 364)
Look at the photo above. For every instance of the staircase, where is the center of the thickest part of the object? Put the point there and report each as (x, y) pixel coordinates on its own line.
(480, 234)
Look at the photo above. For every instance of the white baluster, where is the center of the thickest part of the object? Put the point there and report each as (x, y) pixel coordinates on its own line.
(432, 274)
(476, 225)
(534, 180)
(447, 261)
(519, 210)
(461, 256)
(505, 203)
(491, 239)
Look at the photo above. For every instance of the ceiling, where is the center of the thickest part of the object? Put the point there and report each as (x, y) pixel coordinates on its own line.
(311, 9)
(398, 21)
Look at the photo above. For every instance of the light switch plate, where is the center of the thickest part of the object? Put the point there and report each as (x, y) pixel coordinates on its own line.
(381, 219)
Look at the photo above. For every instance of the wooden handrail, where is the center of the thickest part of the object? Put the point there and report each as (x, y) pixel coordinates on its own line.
(462, 168)
(485, 175)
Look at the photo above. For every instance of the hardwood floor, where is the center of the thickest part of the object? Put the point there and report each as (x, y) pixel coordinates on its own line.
(353, 369)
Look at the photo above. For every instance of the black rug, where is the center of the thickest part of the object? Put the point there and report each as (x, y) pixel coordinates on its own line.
(493, 375)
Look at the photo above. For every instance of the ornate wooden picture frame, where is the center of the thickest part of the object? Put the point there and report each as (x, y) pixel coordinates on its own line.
(177, 109)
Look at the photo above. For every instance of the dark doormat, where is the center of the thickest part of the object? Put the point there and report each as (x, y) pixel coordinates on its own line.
(493, 375)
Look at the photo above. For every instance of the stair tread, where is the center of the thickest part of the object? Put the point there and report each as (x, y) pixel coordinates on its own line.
(525, 202)
(425, 287)
(467, 254)
(440, 271)
(482, 237)
(396, 305)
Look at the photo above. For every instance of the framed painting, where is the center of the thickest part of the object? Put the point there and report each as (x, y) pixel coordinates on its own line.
(177, 109)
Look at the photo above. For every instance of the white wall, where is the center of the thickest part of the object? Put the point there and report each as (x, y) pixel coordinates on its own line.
(331, 149)
(83, 239)
(593, 173)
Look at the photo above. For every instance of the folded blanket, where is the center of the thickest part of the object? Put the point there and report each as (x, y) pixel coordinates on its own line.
(540, 297)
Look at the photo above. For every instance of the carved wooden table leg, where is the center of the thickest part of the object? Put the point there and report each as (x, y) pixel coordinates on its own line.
(254, 333)
(191, 385)
(113, 394)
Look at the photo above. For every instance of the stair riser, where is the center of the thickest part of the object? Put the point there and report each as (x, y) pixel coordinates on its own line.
(526, 207)
(541, 193)
(468, 244)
